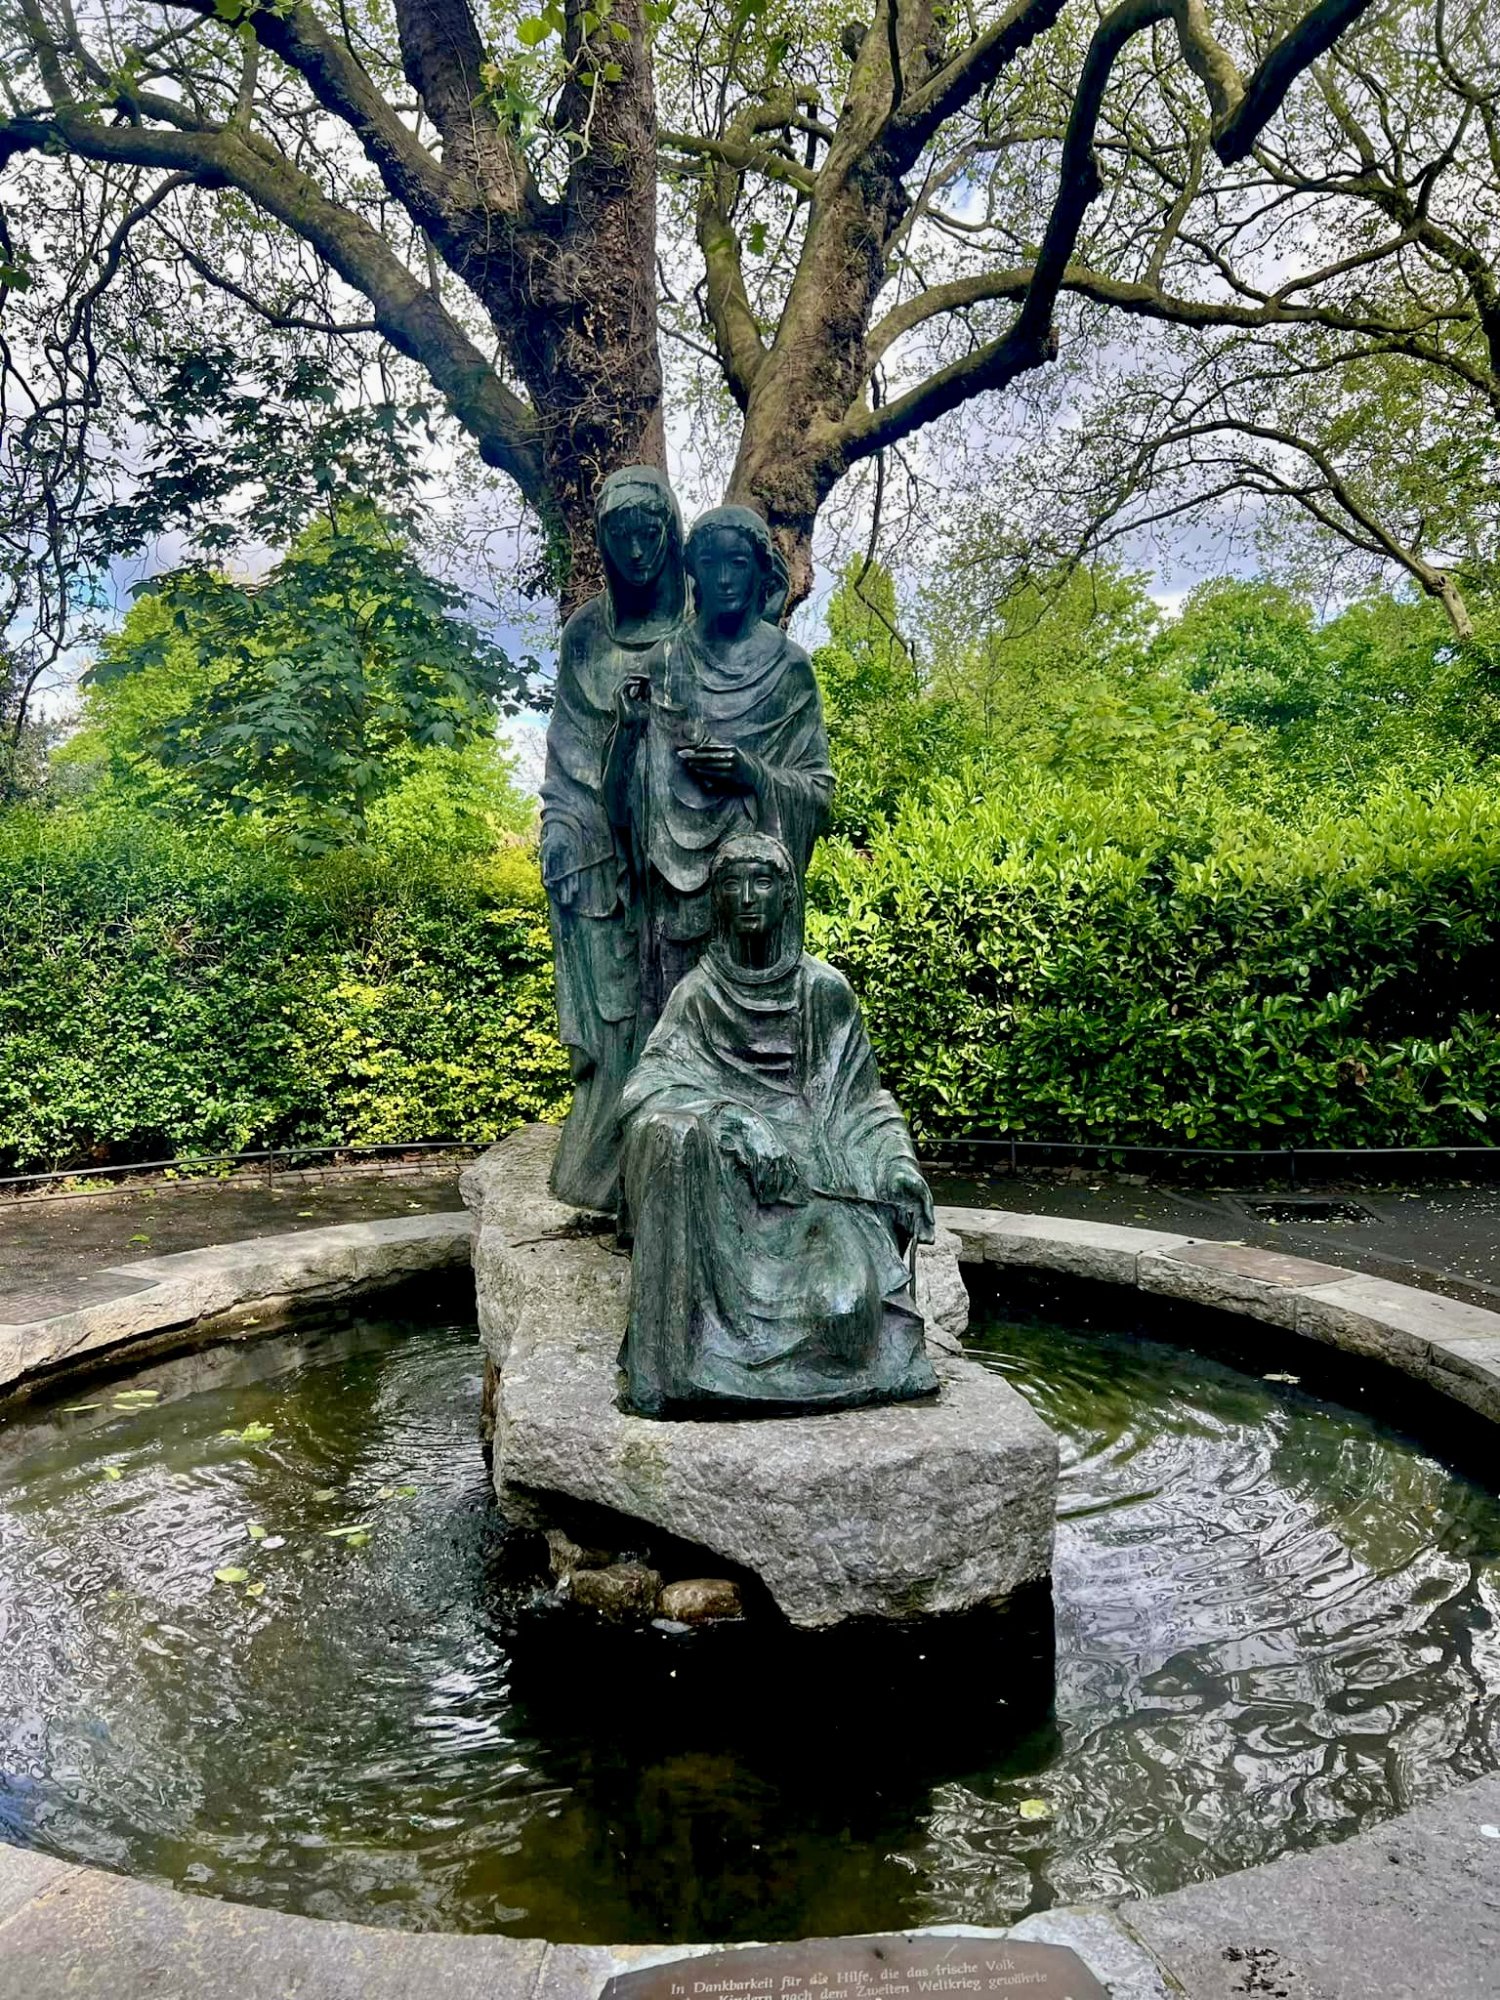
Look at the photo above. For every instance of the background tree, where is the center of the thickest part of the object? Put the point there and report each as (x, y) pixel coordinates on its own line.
(304, 702)
(488, 186)
(1326, 378)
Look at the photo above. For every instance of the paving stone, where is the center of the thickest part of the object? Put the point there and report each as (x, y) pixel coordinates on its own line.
(1104, 1944)
(19, 1309)
(1234, 1277)
(1104, 1250)
(1448, 1343)
(1408, 1912)
(157, 1293)
(23, 1875)
(92, 1936)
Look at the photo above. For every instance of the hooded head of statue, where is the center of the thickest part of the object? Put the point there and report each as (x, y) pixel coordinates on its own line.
(757, 905)
(638, 527)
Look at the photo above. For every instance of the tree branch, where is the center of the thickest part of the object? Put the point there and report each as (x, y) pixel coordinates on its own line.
(443, 57)
(1315, 34)
(958, 82)
(406, 313)
(343, 86)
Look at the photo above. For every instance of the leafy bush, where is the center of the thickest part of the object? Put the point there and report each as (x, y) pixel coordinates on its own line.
(1054, 961)
(168, 992)
(1050, 961)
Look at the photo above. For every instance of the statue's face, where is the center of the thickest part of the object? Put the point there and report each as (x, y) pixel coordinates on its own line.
(635, 540)
(751, 896)
(727, 572)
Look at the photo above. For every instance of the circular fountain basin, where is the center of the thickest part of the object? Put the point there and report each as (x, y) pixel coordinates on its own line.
(262, 1637)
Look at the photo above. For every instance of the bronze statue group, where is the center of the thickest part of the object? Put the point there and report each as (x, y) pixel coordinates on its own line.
(726, 1107)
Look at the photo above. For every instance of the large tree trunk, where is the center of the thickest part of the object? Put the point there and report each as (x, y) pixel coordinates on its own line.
(589, 352)
(570, 284)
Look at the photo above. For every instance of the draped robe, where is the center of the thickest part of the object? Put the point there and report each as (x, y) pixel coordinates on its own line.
(801, 1303)
(595, 942)
(765, 702)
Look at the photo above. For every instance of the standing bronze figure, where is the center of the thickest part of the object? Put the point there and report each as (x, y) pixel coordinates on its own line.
(726, 737)
(595, 923)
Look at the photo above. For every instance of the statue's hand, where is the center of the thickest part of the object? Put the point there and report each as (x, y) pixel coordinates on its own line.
(722, 765)
(911, 1197)
(633, 701)
(750, 1141)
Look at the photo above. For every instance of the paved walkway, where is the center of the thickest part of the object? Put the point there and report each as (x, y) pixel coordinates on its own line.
(1445, 1239)
(52, 1241)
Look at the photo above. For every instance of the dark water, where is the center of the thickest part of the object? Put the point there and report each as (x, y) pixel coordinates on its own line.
(1275, 1623)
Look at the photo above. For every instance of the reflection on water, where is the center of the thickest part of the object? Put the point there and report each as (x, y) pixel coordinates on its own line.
(1275, 1622)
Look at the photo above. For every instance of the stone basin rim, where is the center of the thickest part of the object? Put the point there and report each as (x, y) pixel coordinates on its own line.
(66, 1927)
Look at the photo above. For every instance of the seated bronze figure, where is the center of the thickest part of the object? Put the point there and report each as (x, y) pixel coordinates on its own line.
(769, 1182)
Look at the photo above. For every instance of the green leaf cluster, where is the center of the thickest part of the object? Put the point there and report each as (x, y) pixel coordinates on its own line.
(303, 702)
(1057, 960)
(168, 991)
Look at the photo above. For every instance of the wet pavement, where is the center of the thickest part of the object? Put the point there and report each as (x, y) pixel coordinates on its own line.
(46, 1240)
(1443, 1238)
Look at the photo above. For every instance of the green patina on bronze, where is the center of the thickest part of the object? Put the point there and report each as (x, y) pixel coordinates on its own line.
(728, 737)
(586, 869)
(770, 1183)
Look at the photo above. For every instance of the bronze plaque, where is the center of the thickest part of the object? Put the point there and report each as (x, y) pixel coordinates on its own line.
(870, 1968)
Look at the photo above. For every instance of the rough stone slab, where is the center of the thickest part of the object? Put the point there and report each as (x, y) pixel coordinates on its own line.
(1104, 1944)
(1234, 1277)
(890, 1513)
(157, 1293)
(940, 1293)
(887, 1513)
(540, 1266)
(1408, 1912)
(1107, 1251)
(23, 1876)
(1453, 1346)
(94, 1936)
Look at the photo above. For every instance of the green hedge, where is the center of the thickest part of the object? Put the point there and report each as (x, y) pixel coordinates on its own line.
(1046, 963)
(1057, 963)
(161, 993)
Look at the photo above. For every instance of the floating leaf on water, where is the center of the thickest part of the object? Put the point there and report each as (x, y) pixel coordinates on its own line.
(255, 1590)
(406, 1492)
(113, 1472)
(1274, 1376)
(231, 1574)
(274, 1542)
(325, 1493)
(343, 1534)
(386, 1493)
(255, 1531)
(252, 1434)
(72, 1409)
(128, 1396)
(138, 1239)
(1034, 1809)
(358, 1539)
